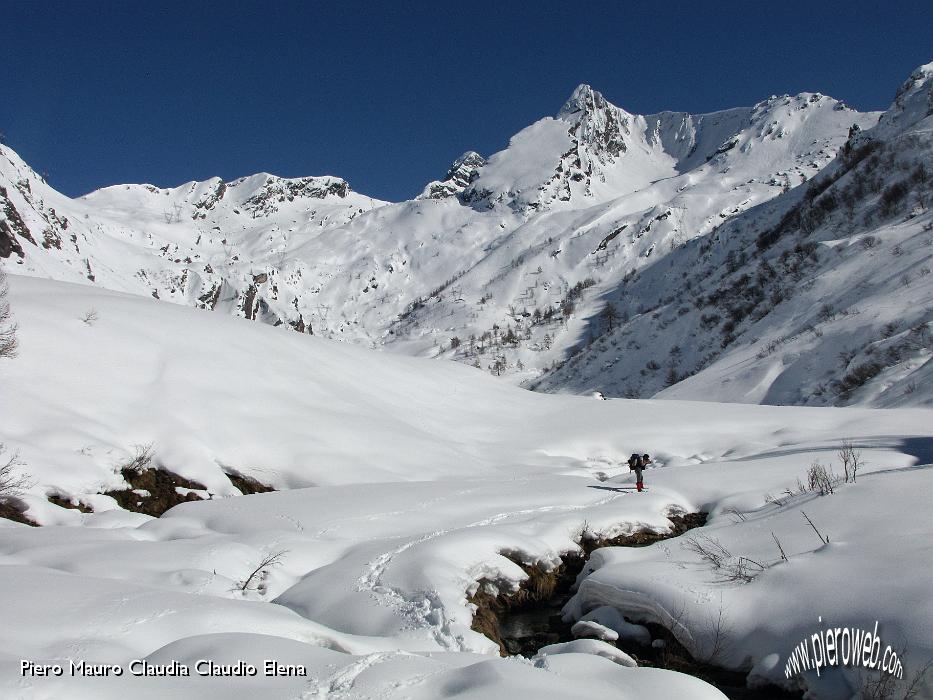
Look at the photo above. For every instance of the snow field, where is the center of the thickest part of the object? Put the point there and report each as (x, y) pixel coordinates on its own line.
(403, 480)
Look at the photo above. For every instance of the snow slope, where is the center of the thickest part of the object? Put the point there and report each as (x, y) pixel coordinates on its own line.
(404, 480)
(821, 296)
(515, 252)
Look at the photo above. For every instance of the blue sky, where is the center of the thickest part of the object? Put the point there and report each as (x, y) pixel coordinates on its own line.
(387, 94)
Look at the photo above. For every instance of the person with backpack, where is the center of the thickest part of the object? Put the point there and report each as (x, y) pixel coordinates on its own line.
(637, 464)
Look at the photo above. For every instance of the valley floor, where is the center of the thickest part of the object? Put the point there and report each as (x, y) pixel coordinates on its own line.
(402, 484)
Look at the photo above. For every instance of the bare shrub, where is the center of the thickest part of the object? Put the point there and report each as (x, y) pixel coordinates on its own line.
(769, 498)
(827, 312)
(892, 197)
(141, 459)
(857, 377)
(12, 481)
(878, 685)
(90, 317)
(719, 631)
(917, 681)
(846, 356)
(708, 549)
(919, 337)
(780, 548)
(889, 329)
(799, 490)
(736, 515)
(726, 566)
(261, 569)
(851, 460)
(815, 529)
(822, 479)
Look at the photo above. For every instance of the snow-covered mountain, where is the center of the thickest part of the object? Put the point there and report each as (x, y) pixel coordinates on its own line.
(506, 263)
(209, 244)
(821, 296)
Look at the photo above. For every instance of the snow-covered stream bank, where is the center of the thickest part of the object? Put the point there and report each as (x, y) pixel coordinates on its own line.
(525, 619)
(531, 621)
(401, 483)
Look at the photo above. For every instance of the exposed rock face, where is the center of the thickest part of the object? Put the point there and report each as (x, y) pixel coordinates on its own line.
(579, 147)
(461, 173)
(599, 126)
(13, 224)
(464, 169)
(276, 190)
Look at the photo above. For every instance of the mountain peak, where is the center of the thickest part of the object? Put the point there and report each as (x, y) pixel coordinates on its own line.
(461, 173)
(913, 102)
(597, 123)
(463, 170)
(583, 99)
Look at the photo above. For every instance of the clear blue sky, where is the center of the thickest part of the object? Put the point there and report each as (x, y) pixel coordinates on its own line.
(386, 94)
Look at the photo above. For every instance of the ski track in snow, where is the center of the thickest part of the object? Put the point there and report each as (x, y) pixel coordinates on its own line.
(424, 609)
(340, 683)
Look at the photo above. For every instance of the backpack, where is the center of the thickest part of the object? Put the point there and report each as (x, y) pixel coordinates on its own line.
(633, 462)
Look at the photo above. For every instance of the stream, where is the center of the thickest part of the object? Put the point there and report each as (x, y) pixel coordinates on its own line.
(524, 621)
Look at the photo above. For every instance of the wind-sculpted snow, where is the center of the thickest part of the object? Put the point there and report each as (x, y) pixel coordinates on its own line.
(404, 483)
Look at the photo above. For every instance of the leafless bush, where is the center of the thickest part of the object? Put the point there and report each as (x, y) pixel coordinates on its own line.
(141, 459)
(769, 498)
(719, 631)
(827, 312)
(708, 549)
(707, 639)
(815, 529)
(90, 317)
(798, 490)
(12, 481)
(889, 329)
(260, 570)
(878, 685)
(857, 377)
(736, 515)
(780, 548)
(918, 679)
(919, 337)
(822, 479)
(742, 569)
(851, 460)
(723, 563)
(846, 356)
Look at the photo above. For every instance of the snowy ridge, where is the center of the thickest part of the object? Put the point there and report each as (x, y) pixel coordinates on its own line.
(515, 252)
(822, 296)
(204, 244)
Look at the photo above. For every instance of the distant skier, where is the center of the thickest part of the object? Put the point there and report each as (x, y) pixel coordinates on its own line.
(637, 464)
